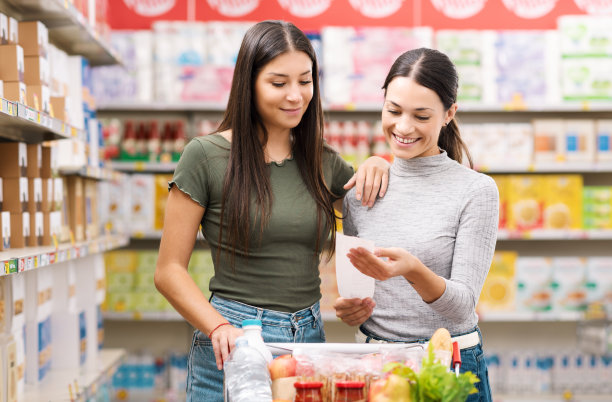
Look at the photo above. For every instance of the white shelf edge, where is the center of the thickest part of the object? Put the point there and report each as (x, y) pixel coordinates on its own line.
(550, 397)
(90, 172)
(143, 316)
(13, 261)
(14, 114)
(577, 107)
(531, 316)
(145, 167)
(54, 387)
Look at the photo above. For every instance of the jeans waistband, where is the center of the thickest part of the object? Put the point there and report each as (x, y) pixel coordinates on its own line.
(243, 311)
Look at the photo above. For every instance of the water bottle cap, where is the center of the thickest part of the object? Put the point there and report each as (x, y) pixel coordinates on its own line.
(251, 322)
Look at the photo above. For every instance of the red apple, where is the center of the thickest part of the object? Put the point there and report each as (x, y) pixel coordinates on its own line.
(282, 366)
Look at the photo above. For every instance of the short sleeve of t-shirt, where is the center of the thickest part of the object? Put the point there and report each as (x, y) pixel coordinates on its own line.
(191, 174)
(341, 172)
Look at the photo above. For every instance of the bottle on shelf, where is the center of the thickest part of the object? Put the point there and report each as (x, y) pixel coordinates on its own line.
(167, 143)
(154, 143)
(129, 149)
(246, 374)
(180, 140)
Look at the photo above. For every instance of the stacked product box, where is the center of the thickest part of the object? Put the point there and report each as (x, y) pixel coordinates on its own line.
(356, 59)
(586, 50)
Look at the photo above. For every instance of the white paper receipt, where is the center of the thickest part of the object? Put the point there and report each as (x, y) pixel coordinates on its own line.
(351, 282)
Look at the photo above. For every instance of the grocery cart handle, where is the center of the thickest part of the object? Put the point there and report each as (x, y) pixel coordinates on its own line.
(349, 348)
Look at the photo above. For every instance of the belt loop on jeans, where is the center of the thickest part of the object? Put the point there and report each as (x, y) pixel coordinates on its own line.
(260, 312)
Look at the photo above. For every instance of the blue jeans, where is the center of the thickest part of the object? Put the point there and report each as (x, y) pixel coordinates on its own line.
(472, 359)
(205, 381)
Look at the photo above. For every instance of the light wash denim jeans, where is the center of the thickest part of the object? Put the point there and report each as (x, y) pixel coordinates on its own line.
(472, 359)
(205, 381)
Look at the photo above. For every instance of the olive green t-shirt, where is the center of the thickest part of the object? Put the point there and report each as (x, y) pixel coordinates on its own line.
(281, 270)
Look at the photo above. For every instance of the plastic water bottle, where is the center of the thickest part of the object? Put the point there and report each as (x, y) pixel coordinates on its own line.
(252, 331)
(247, 377)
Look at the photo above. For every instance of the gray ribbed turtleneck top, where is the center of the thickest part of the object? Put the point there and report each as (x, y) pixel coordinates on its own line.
(446, 215)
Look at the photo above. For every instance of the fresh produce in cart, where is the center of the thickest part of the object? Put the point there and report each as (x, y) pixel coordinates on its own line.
(394, 373)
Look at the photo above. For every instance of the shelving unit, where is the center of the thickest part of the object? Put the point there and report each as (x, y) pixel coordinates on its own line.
(76, 384)
(68, 29)
(22, 123)
(14, 261)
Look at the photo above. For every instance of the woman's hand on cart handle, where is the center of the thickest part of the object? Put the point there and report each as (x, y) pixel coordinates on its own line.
(354, 311)
(223, 341)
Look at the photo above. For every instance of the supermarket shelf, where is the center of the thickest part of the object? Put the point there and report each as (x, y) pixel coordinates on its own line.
(366, 108)
(577, 107)
(565, 167)
(542, 234)
(91, 172)
(55, 386)
(22, 123)
(531, 316)
(143, 167)
(68, 29)
(143, 316)
(128, 106)
(551, 398)
(25, 259)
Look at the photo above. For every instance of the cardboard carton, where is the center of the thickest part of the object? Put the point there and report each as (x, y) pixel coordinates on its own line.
(16, 91)
(15, 194)
(12, 66)
(5, 230)
(35, 195)
(20, 229)
(34, 38)
(36, 70)
(39, 97)
(14, 161)
(34, 160)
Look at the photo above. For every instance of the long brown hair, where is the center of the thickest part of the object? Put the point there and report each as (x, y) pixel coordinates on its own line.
(247, 174)
(434, 70)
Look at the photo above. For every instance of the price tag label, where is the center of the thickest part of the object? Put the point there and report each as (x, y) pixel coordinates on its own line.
(21, 265)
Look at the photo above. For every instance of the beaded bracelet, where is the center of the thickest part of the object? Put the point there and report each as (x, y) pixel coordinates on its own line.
(217, 327)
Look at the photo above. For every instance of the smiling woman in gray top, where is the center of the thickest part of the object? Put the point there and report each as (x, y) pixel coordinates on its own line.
(436, 228)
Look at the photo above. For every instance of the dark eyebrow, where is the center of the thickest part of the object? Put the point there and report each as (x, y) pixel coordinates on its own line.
(418, 109)
(285, 75)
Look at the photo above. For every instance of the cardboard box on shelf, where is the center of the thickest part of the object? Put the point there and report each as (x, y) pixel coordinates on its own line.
(35, 195)
(603, 130)
(568, 283)
(13, 31)
(59, 106)
(525, 202)
(533, 277)
(20, 229)
(34, 160)
(34, 38)
(1, 89)
(16, 91)
(47, 195)
(563, 202)
(14, 161)
(579, 140)
(52, 227)
(39, 97)
(5, 230)
(3, 29)
(58, 194)
(48, 167)
(76, 207)
(499, 289)
(548, 140)
(92, 221)
(36, 230)
(12, 66)
(15, 194)
(36, 70)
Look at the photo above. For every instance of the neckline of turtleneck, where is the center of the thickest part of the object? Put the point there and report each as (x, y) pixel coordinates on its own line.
(422, 166)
